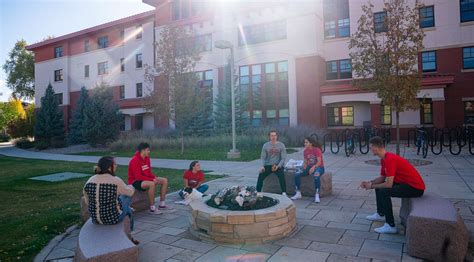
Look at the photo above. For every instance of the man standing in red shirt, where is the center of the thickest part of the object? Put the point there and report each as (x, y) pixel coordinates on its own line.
(142, 179)
(398, 178)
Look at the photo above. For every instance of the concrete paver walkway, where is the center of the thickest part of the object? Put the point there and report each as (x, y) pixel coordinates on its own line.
(333, 230)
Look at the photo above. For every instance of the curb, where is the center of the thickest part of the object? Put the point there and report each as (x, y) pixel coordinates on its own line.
(43, 254)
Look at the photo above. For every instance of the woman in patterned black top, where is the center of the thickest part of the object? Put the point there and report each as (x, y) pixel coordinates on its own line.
(107, 196)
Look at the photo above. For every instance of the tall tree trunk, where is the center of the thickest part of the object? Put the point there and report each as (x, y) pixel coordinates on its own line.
(397, 119)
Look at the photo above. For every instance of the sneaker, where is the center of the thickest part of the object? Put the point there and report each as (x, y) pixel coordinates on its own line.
(375, 217)
(165, 207)
(296, 196)
(155, 211)
(316, 198)
(284, 194)
(386, 229)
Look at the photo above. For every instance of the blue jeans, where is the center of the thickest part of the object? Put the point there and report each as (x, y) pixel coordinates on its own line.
(126, 210)
(305, 172)
(202, 188)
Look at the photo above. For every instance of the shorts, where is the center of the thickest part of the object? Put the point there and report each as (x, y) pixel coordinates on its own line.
(138, 185)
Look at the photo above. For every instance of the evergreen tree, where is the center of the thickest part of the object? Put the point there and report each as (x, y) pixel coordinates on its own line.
(102, 118)
(223, 107)
(49, 122)
(76, 125)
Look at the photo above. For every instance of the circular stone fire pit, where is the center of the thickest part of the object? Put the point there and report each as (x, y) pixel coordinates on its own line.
(238, 227)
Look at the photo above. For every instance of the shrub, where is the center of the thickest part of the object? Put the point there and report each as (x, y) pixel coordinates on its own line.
(24, 143)
(23, 127)
(4, 137)
(49, 120)
(58, 142)
(41, 144)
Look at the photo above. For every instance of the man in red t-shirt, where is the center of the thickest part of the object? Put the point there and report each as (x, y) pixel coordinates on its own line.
(398, 178)
(142, 179)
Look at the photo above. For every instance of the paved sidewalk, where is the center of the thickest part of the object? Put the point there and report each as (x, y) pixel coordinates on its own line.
(334, 230)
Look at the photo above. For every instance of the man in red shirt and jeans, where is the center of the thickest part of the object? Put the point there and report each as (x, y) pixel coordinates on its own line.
(398, 178)
(140, 176)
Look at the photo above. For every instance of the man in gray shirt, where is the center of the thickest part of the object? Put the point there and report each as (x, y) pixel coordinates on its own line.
(273, 159)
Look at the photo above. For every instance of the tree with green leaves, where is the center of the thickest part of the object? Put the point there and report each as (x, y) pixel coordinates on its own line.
(223, 107)
(385, 60)
(23, 127)
(101, 117)
(182, 100)
(7, 114)
(76, 124)
(20, 70)
(49, 127)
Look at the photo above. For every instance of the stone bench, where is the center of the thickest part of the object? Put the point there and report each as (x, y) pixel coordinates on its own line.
(272, 185)
(106, 243)
(434, 229)
(140, 202)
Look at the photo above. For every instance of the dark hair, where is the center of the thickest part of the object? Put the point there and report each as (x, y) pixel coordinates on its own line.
(377, 141)
(191, 166)
(314, 142)
(142, 146)
(105, 166)
(272, 131)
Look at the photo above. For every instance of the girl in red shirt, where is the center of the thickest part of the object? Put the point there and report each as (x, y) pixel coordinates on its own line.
(193, 178)
(313, 164)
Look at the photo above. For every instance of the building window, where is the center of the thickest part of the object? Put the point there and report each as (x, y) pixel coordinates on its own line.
(205, 78)
(426, 111)
(139, 90)
(59, 98)
(102, 68)
(469, 112)
(122, 35)
(58, 51)
(58, 75)
(139, 29)
(427, 18)
(340, 69)
(86, 71)
(336, 18)
(260, 33)
(122, 64)
(428, 61)
(181, 9)
(122, 92)
(386, 114)
(197, 44)
(264, 88)
(341, 116)
(87, 46)
(467, 10)
(139, 122)
(122, 124)
(468, 57)
(138, 61)
(380, 23)
(103, 42)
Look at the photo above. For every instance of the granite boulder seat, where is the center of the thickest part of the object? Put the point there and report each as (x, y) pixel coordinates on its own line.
(434, 229)
(106, 243)
(272, 185)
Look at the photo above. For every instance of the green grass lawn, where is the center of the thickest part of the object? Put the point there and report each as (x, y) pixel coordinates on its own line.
(189, 154)
(33, 212)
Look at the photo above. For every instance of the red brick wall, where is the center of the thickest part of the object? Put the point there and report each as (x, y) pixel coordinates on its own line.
(309, 77)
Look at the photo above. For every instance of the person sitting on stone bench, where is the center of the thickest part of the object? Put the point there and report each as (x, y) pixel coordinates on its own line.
(142, 179)
(313, 165)
(107, 196)
(273, 158)
(398, 178)
(193, 178)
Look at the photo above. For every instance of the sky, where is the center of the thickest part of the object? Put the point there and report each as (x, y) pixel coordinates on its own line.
(34, 20)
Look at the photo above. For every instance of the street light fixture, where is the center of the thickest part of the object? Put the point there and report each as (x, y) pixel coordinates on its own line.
(223, 44)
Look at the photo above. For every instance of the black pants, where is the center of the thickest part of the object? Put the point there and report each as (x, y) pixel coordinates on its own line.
(384, 201)
(268, 171)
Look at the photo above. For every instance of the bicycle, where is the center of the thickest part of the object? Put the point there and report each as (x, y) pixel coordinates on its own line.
(349, 146)
(421, 142)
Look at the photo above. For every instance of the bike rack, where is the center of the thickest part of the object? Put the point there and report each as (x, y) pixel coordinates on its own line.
(333, 133)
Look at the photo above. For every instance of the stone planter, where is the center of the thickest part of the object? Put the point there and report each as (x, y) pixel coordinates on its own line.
(254, 226)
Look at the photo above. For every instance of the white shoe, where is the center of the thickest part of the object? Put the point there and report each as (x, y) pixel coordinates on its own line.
(386, 229)
(284, 194)
(296, 196)
(316, 198)
(375, 217)
(155, 211)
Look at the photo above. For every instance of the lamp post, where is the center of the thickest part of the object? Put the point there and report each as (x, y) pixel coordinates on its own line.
(223, 44)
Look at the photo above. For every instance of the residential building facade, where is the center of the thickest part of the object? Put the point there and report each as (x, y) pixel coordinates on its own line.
(291, 60)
